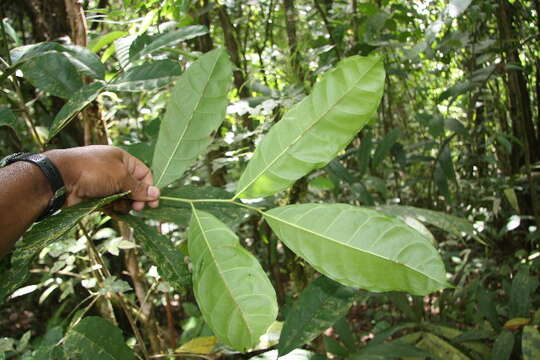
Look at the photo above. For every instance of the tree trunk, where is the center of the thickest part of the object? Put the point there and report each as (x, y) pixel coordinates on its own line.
(49, 19)
(290, 23)
(229, 33)
(518, 94)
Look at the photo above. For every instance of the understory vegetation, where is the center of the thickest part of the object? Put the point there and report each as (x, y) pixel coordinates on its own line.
(341, 179)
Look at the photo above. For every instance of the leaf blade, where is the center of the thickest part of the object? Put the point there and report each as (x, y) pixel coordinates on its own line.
(234, 294)
(166, 257)
(94, 337)
(316, 129)
(319, 306)
(185, 130)
(43, 234)
(54, 73)
(450, 223)
(360, 247)
(169, 39)
(82, 97)
(149, 76)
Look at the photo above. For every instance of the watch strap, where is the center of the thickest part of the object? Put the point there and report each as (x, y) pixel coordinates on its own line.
(52, 174)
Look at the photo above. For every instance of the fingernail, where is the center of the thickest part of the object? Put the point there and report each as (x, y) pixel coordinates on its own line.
(153, 192)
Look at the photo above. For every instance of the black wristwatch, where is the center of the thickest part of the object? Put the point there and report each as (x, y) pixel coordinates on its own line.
(51, 173)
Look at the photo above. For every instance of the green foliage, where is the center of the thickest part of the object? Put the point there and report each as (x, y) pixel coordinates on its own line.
(7, 118)
(149, 76)
(41, 235)
(502, 348)
(385, 146)
(164, 255)
(452, 224)
(196, 109)
(530, 343)
(313, 132)
(347, 244)
(174, 208)
(320, 305)
(81, 98)
(449, 136)
(152, 44)
(236, 298)
(94, 337)
(54, 73)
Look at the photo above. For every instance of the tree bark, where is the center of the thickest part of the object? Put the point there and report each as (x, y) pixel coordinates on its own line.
(518, 94)
(290, 24)
(229, 34)
(49, 19)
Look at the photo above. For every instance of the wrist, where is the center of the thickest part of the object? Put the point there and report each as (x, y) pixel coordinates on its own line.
(63, 163)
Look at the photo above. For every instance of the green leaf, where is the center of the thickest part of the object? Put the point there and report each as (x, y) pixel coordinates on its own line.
(519, 304)
(114, 285)
(487, 308)
(442, 182)
(169, 39)
(41, 235)
(168, 259)
(332, 346)
(346, 334)
(121, 47)
(195, 110)
(23, 53)
(452, 224)
(234, 294)
(82, 59)
(530, 343)
(313, 132)
(149, 76)
(364, 153)
(390, 350)
(319, 306)
(7, 118)
(172, 209)
(85, 61)
(96, 338)
(106, 40)
(385, 146)
(322, 183)
(142, 151)
(298, 354)
(82, 97)
(54, 73)
(360, 247)
(439, 348)
(503, 345)
(10, 31)
(456, 7)
(447, 165)
(48, 346)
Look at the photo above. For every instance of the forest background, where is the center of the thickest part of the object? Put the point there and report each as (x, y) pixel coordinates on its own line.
(457, 131)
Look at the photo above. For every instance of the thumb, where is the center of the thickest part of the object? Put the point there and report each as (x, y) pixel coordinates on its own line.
(140, 191)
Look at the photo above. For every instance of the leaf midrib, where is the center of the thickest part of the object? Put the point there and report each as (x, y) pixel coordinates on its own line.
(168, 164)
(350, 247)
(219, 272)
(238, 193)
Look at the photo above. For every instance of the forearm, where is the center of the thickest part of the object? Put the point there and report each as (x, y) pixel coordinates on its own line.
(24, 195)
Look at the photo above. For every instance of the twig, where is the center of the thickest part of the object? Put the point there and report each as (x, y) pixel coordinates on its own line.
(118, 297)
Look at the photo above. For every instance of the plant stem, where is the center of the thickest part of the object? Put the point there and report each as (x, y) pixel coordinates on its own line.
(119, 297)
(224, 201)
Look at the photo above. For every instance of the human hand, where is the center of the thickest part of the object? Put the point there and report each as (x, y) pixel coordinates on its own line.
(100, 170)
